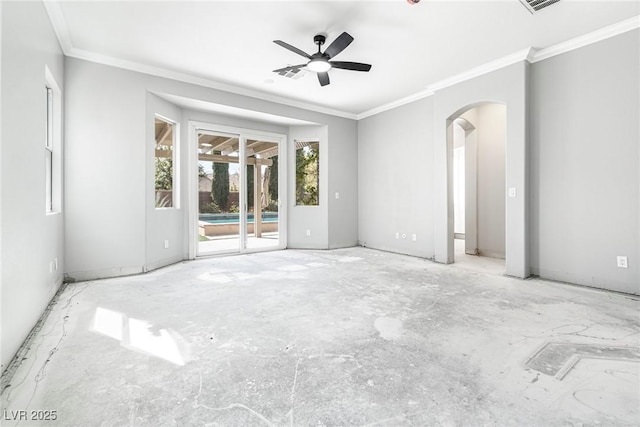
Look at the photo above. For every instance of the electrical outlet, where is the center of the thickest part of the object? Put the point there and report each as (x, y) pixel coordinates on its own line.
(414, 237)
(512, 192)
(166, 244)
(397, 235)
(622, 262)
(337, 195)
(308, 233)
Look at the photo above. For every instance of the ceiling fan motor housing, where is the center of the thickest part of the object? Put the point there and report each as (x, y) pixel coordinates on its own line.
(319, 39)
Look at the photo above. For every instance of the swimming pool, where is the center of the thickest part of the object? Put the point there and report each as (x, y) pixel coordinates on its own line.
(230, 218)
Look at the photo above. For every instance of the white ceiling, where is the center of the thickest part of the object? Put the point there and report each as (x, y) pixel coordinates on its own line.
(229, 44)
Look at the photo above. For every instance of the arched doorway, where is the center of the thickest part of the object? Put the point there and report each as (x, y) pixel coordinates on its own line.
(478, 184)
(507, 85)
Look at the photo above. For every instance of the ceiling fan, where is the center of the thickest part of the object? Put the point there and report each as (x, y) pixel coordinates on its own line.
(320, 62)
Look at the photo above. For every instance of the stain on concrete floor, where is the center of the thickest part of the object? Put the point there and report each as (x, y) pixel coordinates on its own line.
(344, 337)
(389, 328)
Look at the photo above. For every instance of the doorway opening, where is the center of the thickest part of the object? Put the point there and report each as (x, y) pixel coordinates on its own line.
(478, 187)
(239, 182)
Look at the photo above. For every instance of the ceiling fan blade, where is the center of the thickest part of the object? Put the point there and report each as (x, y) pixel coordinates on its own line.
(292, 48)
(338, 45)
(289, 68)
(355, 66)
(323, 78)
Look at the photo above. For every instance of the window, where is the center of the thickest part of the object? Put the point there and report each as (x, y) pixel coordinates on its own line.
(52, 100)
(307, 173)
(48, 151)
(165, 164)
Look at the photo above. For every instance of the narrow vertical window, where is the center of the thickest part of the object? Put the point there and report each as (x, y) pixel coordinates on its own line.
(48, 151)
(307, 173)
(52, 143)
(165, 164)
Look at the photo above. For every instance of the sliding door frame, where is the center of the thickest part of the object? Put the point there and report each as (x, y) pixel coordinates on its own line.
(196, 127)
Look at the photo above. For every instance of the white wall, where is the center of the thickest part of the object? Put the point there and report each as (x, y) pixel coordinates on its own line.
(111, 227)
(343, 179)
(578, 157)
(490, 123)
(459, 190)
(585, 164)
(395, 179)
(313, 218)
(405, 166)
(508, 86)
(163, 224)
(31, 240)
(105, 172)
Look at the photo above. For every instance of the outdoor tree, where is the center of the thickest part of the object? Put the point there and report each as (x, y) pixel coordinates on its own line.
(220, 185)
(307, 176)
(164, 174)
(250, 186)
(273, 179)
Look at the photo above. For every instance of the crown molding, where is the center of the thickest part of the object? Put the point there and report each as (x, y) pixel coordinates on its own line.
(530, 54)
(425, 93)
(587, 39)
(60, 28)
(59, 25)
(505, 61)
(489, 67)
(201, 81)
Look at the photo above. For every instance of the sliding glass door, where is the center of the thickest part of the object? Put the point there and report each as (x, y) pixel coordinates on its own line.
(240, 190)
(218, 180)
(263, 228)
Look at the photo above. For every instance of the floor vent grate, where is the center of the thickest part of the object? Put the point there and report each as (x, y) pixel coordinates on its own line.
(534, 6)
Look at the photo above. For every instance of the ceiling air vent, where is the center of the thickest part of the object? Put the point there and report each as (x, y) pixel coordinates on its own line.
(293, 73)
(534, 6)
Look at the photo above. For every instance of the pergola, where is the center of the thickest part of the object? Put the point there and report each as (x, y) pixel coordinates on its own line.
(224, 149)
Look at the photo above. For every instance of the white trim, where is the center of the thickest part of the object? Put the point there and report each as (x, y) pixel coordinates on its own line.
(61, 29)
(200, 81)
(530, 54)
(175, 159)
(192, 189)
(587, 39)
(55, 183)
(425, 93)
(505, 61)
(522, 55)
(242, 199)
(59, 24)
(242, 134)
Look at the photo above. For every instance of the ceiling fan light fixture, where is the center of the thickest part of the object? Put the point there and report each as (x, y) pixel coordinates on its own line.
(319, 65)
(320, 62)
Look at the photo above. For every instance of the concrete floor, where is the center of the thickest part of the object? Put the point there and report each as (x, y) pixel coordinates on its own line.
(477, 263)
(343, 337)
(228, 244)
